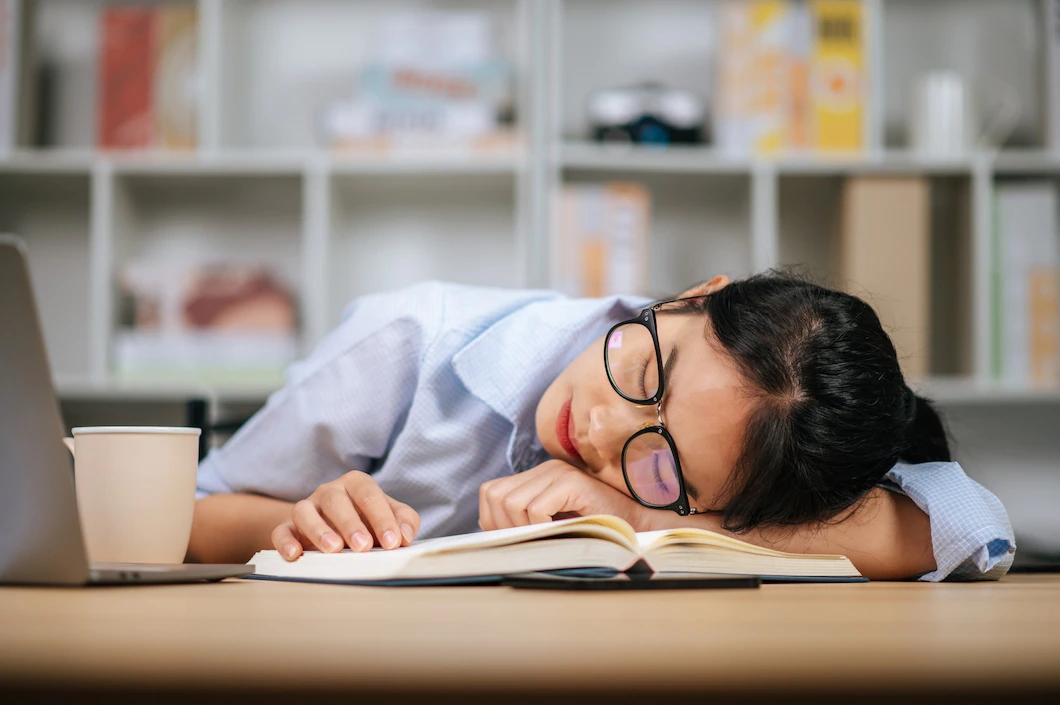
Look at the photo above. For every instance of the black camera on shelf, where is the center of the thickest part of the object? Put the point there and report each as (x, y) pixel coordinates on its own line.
(646, 114)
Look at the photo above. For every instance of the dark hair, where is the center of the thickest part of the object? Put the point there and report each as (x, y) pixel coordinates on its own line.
(832, 411)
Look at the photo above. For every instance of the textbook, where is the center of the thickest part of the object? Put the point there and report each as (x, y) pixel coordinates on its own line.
(599, 542)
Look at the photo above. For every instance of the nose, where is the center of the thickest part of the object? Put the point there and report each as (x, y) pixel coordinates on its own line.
(611, 425)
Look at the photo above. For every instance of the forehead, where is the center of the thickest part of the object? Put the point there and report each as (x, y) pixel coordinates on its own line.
(706, 404)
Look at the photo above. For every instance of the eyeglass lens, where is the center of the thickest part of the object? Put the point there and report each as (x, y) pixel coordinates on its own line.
(630, 356)
(652, 470)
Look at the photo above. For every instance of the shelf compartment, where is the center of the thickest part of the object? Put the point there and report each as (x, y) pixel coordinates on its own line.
(810, 217)
(281, 62)
(627, 43)
(700, 225)
(390, 231)
(51, 213)
(975, 38)
(171, 223)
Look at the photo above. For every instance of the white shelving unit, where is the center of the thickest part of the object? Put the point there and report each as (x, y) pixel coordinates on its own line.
(339, 225)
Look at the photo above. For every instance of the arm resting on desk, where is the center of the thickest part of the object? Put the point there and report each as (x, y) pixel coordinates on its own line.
(230, 528)
(887, 537)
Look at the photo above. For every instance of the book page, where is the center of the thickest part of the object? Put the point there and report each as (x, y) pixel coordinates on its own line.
(381, 564)
(649, 541)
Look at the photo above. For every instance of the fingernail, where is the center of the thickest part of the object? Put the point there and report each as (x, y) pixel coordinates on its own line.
(331, 542)
(361, 541)
(408, 532)
(289, 550)
(390, 539)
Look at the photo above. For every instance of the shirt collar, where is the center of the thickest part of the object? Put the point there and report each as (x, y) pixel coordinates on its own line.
(511, 363)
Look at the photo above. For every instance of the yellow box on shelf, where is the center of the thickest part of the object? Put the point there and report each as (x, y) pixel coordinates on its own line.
(838, 75)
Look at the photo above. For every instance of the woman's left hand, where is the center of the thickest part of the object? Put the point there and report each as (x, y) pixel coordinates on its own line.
(553, 490)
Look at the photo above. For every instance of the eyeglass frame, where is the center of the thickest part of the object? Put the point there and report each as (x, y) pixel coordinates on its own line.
(646, 318)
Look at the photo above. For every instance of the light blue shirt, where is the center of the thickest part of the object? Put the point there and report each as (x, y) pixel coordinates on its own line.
(433, 390)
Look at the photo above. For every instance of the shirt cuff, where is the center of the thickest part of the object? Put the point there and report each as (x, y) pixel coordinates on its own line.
(971, 536)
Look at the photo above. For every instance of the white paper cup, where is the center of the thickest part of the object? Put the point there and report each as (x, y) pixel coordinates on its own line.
(135, 491)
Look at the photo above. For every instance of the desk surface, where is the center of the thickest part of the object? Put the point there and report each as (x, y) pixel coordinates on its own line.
(791, 638)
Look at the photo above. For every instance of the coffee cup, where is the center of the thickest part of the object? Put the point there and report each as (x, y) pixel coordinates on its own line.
(135, 491)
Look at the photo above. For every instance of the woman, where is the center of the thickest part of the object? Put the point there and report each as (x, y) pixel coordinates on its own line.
(769, 407)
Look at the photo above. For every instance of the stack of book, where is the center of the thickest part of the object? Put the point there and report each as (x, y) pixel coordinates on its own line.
(431, 79)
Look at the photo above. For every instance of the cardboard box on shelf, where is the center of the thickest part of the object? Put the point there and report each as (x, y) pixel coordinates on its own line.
(883, 254)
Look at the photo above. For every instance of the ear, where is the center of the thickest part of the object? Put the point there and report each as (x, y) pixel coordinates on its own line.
(716, 284)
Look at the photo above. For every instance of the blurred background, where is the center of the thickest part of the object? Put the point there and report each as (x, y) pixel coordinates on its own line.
(203, 186)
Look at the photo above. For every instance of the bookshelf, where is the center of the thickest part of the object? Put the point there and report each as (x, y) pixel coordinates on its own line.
(340, 224)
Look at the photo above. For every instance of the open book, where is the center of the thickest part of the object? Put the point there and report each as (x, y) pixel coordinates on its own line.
(593, 542)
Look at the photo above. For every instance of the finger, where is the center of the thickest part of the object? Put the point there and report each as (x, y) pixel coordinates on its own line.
(554, 499)
(374, 506)
(493, 512)
(337, 508)
(492, 494)
(307, 519)
(485, 512)
(408, 520)
(285, 541)
(517, 501)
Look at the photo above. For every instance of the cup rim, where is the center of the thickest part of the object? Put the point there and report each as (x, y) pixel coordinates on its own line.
(174, 430)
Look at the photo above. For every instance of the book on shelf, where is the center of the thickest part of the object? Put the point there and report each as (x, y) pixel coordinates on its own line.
(1027, 284)
(148, 92)
(791, 75)
(17, 104)
(430, 78)
(603, 543)
(883, 254)
(601, 245)
(9, 71)
(1051, 72)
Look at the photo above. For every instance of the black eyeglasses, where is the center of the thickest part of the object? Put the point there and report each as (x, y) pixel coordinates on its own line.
(635, 369)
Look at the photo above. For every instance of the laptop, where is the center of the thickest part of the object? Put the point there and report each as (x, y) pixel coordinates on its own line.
(40, 532)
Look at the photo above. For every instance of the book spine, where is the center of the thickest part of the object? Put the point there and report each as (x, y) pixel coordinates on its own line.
(126, 84)
(176, 77)
(9, 72)
(885, 257)
(1029, 286)
(1051, 72)
(751, 112)
(838, 75)
(603, 239)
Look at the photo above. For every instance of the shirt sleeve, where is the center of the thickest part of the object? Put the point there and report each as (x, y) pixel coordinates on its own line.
(971, 535)
(339, 409)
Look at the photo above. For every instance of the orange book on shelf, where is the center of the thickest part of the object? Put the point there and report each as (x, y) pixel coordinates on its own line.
(127, 74)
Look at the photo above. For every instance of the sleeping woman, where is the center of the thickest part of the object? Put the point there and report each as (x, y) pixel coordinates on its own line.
(769, 408)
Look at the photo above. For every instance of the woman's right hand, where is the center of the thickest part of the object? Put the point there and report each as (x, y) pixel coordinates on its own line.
(350, 511)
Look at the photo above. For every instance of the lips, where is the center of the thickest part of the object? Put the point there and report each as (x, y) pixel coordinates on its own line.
(565, 431)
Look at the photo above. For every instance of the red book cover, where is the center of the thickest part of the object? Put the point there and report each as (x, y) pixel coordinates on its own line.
(127, 72)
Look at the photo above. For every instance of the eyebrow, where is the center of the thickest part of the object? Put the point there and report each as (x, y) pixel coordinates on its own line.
(668, 368)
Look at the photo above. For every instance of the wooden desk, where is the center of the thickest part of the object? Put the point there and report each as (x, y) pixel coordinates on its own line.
(257, 639)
